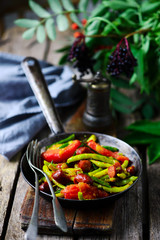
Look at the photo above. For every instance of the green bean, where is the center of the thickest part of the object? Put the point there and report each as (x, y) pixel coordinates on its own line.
(115, 189)
(59, 194)
(121, 175)
(72, 171)
(95, 179)
(125, 181)
(101, 164)
(80, 196)
(49, 174)
(42, 179)
(64, 145)
(46, 163)
(101, 173)
(91, 156)
(125, 164)
(105, 177)
(92, 137)
(113, 179)
(70, 137)
(95, 171)
(113, 149)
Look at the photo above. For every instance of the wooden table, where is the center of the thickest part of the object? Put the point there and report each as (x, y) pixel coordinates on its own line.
(136, 214)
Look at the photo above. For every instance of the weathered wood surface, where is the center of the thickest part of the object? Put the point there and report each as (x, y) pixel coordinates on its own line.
(154, 199)
(8, 173)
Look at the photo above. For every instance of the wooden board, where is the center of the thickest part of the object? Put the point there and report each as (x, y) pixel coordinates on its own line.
(80, 222)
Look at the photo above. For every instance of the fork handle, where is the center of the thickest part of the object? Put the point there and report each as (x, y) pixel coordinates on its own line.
(59, 216)
(31, 233)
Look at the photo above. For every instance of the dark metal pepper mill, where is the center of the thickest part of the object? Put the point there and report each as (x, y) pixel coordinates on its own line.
(97, 115)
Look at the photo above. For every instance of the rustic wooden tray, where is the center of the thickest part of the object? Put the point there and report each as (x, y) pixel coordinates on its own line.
(80, 222)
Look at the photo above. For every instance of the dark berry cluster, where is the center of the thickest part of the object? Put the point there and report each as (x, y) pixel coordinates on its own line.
(80, 56)
(122, 60)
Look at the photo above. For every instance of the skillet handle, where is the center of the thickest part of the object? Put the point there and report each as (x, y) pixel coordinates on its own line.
(38, 84)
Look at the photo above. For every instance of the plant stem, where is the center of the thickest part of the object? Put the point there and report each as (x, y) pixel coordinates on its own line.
(138, 31)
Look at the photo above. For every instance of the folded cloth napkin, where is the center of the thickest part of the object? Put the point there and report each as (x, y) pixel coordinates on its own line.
(20, 115)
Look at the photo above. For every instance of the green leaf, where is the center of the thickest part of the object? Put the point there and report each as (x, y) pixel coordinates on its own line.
(149, 7)
(121, 83)
(98, 11)
(140, 69)
(120, 5)
(120, 97)
(62, 23)
(55, 6)
(154, 152)
(133, 78)
(147, 111)
(127, 15)
(109, 27)
(51, 30)
(68, 5)
(146, 126)
(93, 28)
(75, 19)
(66, 48)
(121, 108)
(83, 5)
(28, 34)
(26, 23)
(40, 34)
(146, 44)
(136, 138)
(106, 21)
(63, 59)
(38, 10)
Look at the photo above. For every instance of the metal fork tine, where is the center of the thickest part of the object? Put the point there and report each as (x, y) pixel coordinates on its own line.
(33, 159)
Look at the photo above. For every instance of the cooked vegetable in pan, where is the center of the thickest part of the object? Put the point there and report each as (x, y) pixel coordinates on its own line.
(84, 169)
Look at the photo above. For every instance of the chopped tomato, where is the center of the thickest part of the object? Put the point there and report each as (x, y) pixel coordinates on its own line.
(61, 155)
(88, 191)
(71, 191)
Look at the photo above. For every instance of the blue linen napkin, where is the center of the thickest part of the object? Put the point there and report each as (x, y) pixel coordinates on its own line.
(20, 115)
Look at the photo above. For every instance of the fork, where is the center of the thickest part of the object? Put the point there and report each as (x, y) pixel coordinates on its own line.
(34, 163)
(31, 155)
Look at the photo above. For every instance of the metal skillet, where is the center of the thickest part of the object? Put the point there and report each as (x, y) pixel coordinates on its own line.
(37, 82)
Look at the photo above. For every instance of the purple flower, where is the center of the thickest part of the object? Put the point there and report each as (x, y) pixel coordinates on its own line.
(122, 60)
(80, 56)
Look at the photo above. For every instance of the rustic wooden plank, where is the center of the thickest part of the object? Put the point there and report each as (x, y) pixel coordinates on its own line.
(154, 199)
(8, 171)
(94, 221)
(46, 223)
(128, 215)
(128, 210)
